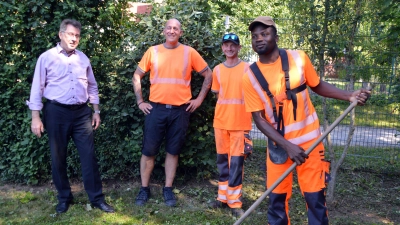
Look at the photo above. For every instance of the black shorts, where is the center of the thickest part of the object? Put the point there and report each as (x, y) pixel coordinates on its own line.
(165, 121)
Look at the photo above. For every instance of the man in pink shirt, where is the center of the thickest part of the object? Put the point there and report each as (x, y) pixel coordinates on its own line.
(64, 77)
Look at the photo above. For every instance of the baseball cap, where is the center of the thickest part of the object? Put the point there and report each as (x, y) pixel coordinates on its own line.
(231, 37)
(266, 20)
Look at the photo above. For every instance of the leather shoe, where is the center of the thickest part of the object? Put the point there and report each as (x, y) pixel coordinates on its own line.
(103, 207)
(62, 207)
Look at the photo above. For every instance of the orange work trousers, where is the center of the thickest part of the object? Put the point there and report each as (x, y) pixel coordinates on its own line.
(312, 177)
(230, 160)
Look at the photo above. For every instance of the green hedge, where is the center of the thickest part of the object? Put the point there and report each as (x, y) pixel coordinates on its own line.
(115, 44)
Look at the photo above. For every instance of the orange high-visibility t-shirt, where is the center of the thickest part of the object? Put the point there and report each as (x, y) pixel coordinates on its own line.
(230, 113)
(275, 77)
(170, 72)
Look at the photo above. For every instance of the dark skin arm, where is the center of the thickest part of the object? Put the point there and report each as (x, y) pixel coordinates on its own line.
(295, 153)
(328, 90)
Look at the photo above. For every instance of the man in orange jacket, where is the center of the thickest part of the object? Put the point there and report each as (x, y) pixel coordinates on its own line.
(275, 89)
(231, 124)
(167, 114)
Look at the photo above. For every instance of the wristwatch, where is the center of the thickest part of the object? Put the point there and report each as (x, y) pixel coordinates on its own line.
(97, 111)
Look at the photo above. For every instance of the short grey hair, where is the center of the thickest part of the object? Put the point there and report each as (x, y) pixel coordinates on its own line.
(66, 22)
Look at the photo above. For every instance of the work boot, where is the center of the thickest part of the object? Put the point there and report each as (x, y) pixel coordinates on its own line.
(217, 204)
(237, 212)
(143, 196)
(169, 197)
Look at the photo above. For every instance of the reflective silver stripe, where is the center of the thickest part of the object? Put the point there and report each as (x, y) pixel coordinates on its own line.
(223, 187)
(221, 91)
(185, 61)
(267, 106)
(157, 80)
(170, 81)
(223, 197)
(304, 96)
(233, 101)
(155, 63)
(233, 201)
(307, 137)
(299, 64)
(301, 124)
(234, 192)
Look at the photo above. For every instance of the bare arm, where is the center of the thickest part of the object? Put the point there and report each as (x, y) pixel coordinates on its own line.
(328, 90)
(296, 153)
(195, 103)
(137, 88)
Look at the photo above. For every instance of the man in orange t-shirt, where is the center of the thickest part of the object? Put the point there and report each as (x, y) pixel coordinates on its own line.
(291, 125)
(231, 124)
(167, 114)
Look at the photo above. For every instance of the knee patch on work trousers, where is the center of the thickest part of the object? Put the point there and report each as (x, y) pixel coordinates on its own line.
(277, 210)
(316, 208)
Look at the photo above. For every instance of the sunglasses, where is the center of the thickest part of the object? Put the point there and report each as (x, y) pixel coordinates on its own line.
(232, 37)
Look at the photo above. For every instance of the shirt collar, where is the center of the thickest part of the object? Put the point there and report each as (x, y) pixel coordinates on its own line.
(61, 50)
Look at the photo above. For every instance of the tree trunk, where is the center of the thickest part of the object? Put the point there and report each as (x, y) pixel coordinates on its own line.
(349, 59)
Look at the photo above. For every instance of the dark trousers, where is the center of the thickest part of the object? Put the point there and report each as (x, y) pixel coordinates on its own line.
(62, 124)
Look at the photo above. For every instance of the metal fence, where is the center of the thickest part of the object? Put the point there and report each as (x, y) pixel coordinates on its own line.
(376, 142)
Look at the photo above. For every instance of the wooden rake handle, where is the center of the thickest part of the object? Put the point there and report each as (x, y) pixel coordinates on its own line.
(293, 166)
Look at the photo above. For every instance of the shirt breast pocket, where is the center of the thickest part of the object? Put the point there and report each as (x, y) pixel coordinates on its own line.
(81, 75)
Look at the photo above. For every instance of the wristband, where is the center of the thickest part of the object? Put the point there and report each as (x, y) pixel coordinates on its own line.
(140, 103)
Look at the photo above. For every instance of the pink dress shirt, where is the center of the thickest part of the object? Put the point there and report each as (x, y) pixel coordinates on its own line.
(65, 78)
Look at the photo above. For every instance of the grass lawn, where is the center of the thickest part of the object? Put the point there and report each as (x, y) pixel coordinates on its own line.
(362, 197)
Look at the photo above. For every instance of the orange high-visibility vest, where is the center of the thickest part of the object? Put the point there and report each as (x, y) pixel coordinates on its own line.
(305, 126)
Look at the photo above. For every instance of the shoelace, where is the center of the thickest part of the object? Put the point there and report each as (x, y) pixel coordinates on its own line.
(168, 194)
(142, 195)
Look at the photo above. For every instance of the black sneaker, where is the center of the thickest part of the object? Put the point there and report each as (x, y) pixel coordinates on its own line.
(217, 204)
(169, 197)
(237, 212)
(143, 196)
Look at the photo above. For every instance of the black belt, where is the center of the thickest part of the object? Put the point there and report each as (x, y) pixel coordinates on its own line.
(72, 107)
(170, 106)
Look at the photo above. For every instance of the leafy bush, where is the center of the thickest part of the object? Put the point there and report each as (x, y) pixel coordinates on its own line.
(115, 44)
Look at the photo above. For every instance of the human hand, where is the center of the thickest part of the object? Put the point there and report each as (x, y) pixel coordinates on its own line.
(96, 121)
(296, 153)
(145, 107)
(193, 105)
(361, 96)
(37, 127)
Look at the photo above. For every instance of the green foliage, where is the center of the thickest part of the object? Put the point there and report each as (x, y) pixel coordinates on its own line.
(198, 154)
(115, 43)
(30, 28)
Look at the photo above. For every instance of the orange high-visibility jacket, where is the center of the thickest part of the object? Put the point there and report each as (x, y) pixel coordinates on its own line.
(305, 128)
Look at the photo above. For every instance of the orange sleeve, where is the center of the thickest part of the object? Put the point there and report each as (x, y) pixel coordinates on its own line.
(145, 62)
(252, 100)
(215, 84)
(198, 63)
(312, 78)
